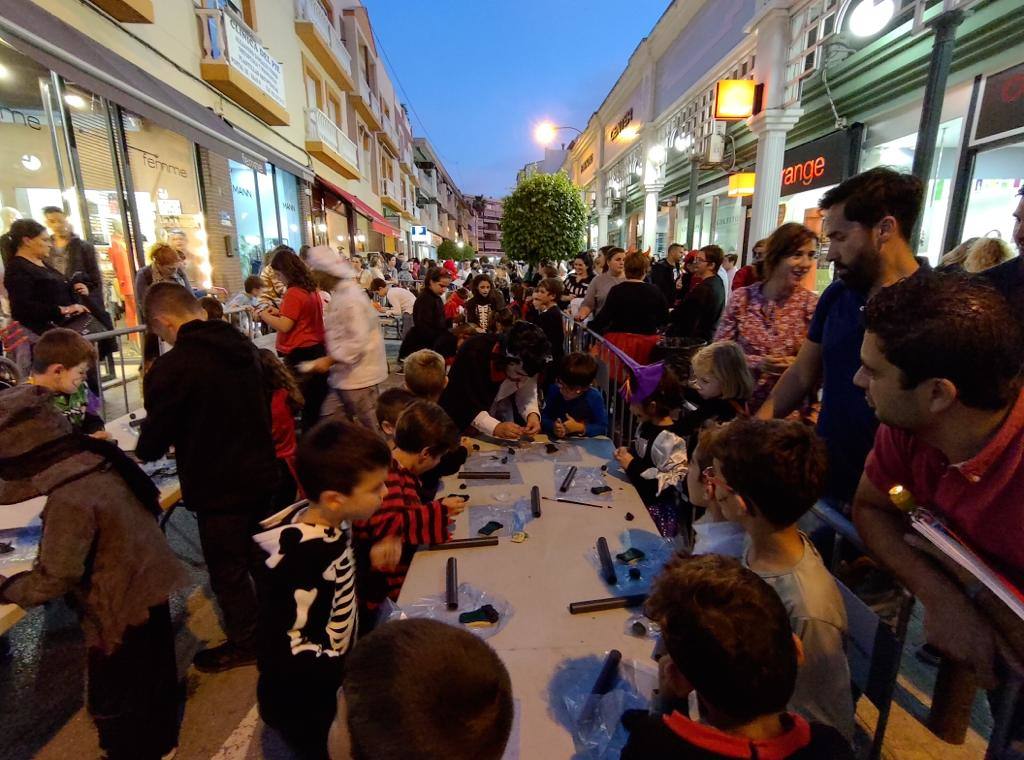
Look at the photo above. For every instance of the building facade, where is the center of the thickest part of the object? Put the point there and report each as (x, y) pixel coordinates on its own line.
(223, 127)
(489, 214)
(445, 213)
(842, 89)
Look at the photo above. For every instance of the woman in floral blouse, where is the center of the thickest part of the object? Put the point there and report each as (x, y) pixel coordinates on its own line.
(769, 319)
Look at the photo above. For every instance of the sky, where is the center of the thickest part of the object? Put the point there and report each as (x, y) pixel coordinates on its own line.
(479, 74)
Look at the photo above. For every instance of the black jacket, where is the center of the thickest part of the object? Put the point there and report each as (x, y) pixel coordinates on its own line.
(82, 267)
(663, 277)
(471, 388)
(428, 323)
(632, 307)
(37, 293)
(697, 316)
(206, 397)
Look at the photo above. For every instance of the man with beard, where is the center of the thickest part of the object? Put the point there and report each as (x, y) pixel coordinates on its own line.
(1009, 277)
(941, 367)
(868, 219)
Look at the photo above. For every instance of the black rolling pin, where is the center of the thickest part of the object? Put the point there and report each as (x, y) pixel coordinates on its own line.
(465, 543)
(608, 603)
(609, 673)
(569, 478)
(607, 568)
(452, 585)
(495, 475)
(535, 500)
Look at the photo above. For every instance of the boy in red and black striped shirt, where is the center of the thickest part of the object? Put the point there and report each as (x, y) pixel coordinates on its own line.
(386, 542)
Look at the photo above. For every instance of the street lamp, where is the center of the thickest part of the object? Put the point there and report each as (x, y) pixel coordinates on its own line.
(545, 132)
(869, 17)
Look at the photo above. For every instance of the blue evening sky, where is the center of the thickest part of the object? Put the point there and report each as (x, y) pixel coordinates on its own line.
(480, 73)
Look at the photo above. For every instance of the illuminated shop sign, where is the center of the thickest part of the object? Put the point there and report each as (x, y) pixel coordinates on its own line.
(817, 164)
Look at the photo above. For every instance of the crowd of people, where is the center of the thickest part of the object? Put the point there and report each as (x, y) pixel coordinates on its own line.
(313, 486)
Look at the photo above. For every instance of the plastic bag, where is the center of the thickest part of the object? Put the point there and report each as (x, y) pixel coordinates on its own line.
(511, 516)
(538, 452)
(436, 608)
(487, 461)
(641, 626)
(585, 479)
(635, 577)
(595, 720)
(24, 543)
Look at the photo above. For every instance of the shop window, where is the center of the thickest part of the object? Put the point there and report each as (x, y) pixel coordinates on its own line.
(247, 218)
(288, 208)
(268, 208)
(998, 175)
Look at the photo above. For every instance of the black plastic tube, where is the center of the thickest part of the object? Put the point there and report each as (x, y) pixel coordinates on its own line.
(535, 500)
(609, 673)
(608, 603)
(569, 478)
(605, 556)
(488, 475)
(452, 584)
(465, 543)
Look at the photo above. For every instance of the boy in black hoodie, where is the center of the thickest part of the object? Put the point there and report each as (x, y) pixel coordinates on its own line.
(206, 398)
(729, 640)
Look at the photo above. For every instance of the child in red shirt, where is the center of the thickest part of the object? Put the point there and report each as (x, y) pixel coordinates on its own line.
(285, 402)
(386, 542)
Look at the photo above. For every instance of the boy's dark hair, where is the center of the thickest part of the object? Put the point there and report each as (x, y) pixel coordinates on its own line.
(422, 690)
(64, 347)
(872, 195)
(377, 284)
(425, 373)
(425, 425)
(463, 293)
(728, 633)
(636, 265)
(530, 345)
(436, 275)
(213, 308)
(553, 286)
(578, 370)
(501, 321)
(667, 397)
(391, 403)
(53, 210)
(732, 258)
(777, 466)
(170, 298)
(953, 326)
(335, 455)
(252, 282)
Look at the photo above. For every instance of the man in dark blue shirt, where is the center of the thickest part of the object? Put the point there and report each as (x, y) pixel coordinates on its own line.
(868, 219)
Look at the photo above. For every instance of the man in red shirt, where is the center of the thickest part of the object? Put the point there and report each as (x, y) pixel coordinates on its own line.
(748, 275)
(941, 366)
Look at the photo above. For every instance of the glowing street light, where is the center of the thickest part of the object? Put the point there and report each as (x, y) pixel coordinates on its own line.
(545, 132)
(869, 17)
(657, 154)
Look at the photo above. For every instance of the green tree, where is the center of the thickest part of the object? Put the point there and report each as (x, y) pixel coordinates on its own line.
(449, 249)
(544, 218)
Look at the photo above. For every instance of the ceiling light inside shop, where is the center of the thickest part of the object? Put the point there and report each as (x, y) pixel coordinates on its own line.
(75, 101)
(869, 17)
(321, 227)
(5, 73)
(31, 163)
(618, 222)
(340, 238)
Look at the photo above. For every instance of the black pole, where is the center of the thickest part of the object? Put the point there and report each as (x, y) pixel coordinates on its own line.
(944, 25)
(691, 207)
(962, 179)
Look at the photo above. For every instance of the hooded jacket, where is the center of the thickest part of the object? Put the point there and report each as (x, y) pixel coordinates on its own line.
(354, 339)
(206, 397)
(101, 544)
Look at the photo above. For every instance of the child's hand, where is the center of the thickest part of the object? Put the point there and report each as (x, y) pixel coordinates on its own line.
(386, 553)
(532, 424)
(510, 431)
(101, 435)
(623, 457)
(454, 504)
(558, 430)
(574, 427)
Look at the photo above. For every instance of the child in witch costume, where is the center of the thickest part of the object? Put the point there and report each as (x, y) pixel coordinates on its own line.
(493, 383)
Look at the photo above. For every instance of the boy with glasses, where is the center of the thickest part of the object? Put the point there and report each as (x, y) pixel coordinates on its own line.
(572, 406)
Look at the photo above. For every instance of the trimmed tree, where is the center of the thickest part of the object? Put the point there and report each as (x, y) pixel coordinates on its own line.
(450, 250)
(544, 218)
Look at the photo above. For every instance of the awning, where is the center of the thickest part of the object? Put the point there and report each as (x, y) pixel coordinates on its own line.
(384, 229)
(278, 159)
(62, 48)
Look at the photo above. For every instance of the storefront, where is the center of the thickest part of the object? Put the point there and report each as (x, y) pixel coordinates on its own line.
(266, 206)
(991, 161)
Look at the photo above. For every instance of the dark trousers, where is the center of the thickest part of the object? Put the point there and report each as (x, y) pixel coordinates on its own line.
(312, 384)
(134, 694)
(301, 706)
(231, 560)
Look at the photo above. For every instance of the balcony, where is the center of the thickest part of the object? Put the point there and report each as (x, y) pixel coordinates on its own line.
(314, 28)
(365, 101)
(326, 141)
(238, 64)
(405, 160)
(389, 135)
(427, 184)
(130, 11)
(389, 195)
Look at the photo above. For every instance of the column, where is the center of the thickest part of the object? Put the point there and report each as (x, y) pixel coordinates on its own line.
(651, 193)
(771, 128)
(602, 211)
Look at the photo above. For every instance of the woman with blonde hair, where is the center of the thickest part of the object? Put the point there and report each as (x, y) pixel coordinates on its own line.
(985, 253)
(165, 266)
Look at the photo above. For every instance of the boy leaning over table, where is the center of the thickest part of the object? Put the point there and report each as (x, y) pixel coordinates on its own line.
(60, 361)
(102, 546)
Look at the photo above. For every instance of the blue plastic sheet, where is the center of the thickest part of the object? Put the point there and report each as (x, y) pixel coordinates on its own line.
(513, 517)
(657, 551)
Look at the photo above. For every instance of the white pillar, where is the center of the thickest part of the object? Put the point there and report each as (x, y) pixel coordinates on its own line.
(770, 127)
(602, 228)
(651, 191)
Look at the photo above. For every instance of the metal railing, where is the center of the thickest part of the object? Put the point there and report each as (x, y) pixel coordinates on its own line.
(313, 11)
(319, 127)
(120, 368)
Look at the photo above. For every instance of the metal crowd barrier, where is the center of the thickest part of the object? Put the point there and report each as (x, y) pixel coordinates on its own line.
(122, 367)
(611, 375)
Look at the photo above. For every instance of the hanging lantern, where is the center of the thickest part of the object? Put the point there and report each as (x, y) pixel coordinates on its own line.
(741, 184)
(734, 99)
